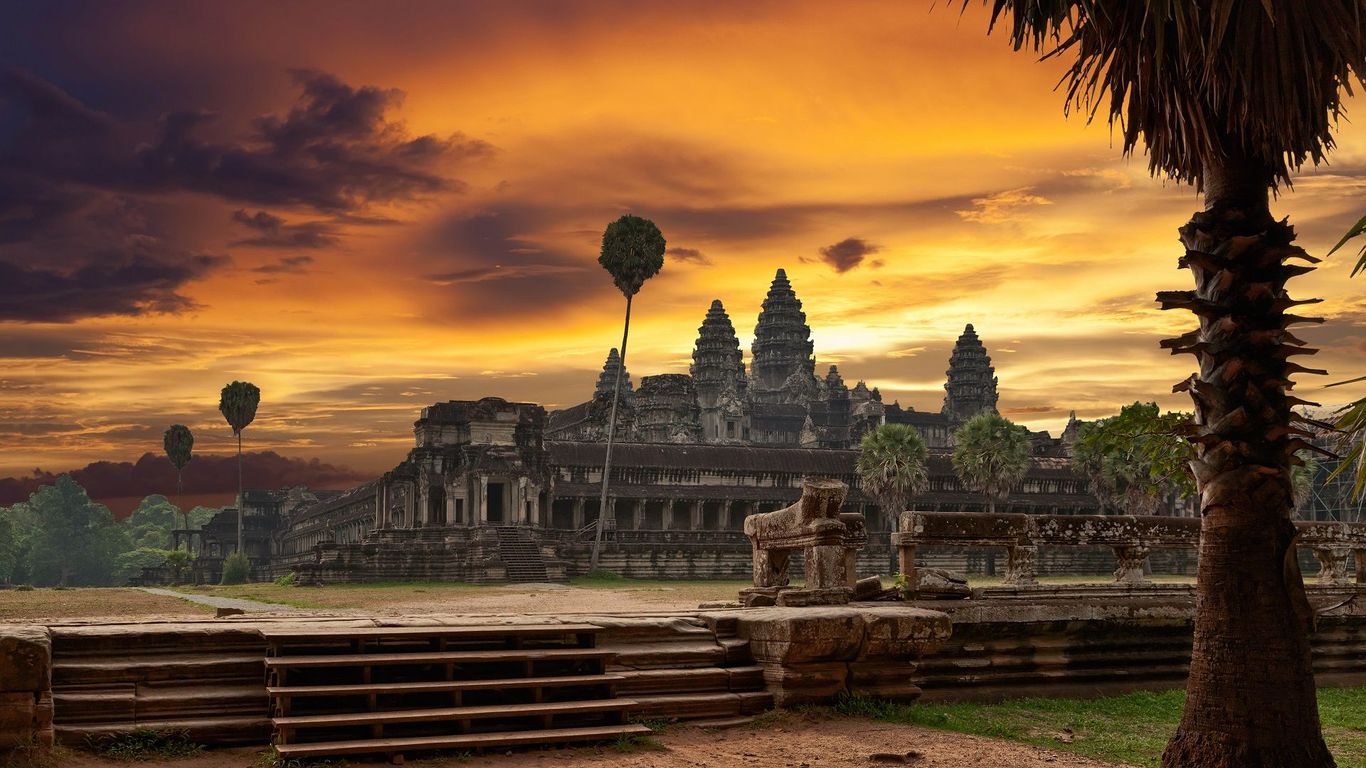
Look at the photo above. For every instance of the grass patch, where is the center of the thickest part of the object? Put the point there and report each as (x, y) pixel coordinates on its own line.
(145, 745)
(638, 742)
(1131, 729)
(273, 759)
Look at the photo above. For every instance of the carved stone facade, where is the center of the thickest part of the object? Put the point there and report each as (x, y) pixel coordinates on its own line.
(782, 401)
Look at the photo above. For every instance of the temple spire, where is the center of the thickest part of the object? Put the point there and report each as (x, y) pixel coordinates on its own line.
(717, 361)
(971, 385)
(782, 339)
(607, 378)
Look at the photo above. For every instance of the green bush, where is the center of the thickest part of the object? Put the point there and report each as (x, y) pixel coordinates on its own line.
(236, 569)
(291, 578)
(24, 588)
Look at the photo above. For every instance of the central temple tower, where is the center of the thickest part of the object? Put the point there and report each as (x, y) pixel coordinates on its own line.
(782, 339)
(971, 385)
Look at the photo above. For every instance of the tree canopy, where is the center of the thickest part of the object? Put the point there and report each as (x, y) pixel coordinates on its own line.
(1136, 462)
(891, 467)
(632, 252)
(238, 402)
(1202, 83)
(990, 455)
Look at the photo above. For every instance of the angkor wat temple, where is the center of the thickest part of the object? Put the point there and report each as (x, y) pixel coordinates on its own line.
(497, 490)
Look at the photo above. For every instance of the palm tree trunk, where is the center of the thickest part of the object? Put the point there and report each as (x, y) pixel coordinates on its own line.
(185, 516)
(611, 436)
(1250, 698)
(240, 511)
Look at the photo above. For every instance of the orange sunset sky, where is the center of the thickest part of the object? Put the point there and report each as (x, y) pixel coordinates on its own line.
(364, 208)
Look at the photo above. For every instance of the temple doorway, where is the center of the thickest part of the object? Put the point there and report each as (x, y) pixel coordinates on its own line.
(495, 502)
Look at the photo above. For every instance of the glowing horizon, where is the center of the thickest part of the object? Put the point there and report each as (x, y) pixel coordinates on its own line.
(465, 265)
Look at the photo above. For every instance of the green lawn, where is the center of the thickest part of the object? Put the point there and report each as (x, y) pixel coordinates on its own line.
(1130, 729)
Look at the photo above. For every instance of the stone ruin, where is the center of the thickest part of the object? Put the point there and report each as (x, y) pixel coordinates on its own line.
(828, 540)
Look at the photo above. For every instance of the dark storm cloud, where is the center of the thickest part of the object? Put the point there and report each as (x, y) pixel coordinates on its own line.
(204, 474)
(509, 260)
(288, 264)
(336, 149)
(689, 255)
(116, 285)
(272, 232)
(847, 253)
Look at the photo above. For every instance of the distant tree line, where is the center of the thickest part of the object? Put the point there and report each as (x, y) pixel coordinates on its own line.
(60, 537)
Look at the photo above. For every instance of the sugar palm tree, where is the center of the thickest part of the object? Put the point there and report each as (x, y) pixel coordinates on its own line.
(632, 252)
(891, 467)
(237, 402)
(990, 455)
(179, 444)
(1231, 96)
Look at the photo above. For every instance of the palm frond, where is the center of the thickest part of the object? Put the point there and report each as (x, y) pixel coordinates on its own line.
(1201, 83)
(1352, 445)
(1357, 230)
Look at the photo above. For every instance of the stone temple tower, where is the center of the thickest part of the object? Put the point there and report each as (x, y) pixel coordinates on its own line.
(782, 340)
(607, 378)
(718, 372)
(971, 386)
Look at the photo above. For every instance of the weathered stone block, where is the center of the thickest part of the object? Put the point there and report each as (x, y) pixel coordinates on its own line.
(25, 658)
(808, 683)
(884, 679)
(786, 636)
(806, 597)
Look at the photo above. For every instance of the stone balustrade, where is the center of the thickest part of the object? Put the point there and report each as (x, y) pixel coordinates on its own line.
(828, 540)
(1132, 538)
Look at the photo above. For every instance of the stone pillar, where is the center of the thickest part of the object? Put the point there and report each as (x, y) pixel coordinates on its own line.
(25, 690)
(409, 501)
(638, 515)
(483, 499)
(1129, 560)
(519, 503)
(1020, 566)
(450, 504)
(666, 519)
(1360, 556)
(697, 515)
(579, 514)
(379, 505)
(1332, 565)
(536, 507)
(905, 562)
(423, 503)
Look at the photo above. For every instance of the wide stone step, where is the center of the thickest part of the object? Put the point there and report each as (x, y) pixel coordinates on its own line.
(695, 706)
(206, 730)
(663, 655)
(472, 741)
(438, 657)
(289, 724)
(466, 632)
(443, 686)
(88, 670)
(128, 702)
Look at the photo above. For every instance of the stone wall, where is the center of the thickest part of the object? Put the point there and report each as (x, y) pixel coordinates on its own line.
(25, 688)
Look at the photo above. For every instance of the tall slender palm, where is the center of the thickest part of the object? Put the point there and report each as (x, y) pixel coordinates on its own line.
(632, 252)
(1231, 96)
(237, 402)
(891, 467)
(179, 444)
(991, 455)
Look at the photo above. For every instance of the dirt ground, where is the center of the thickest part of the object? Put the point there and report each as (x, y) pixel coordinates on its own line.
(43, 605)
(786, 741)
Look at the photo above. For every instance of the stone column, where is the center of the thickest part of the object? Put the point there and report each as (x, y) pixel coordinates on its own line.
(638, 514)
(409, 501)
(423, 503)
(483, 499)
(697, 515)
(519, 503)
(579, 521)
(1332, 565)
(379, 505)
(1020, 566)
(666, 520)
(536, 507)
(905, 562)
(450, 503)
(1129, 560)
(1360, 556)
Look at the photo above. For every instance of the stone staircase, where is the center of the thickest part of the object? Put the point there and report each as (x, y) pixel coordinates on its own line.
(204, 684)
(395, 690)
(521, 554)
(682, 670)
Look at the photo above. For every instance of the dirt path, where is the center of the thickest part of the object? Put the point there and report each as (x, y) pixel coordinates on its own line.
(788, 741)
(250, 606)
